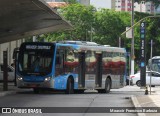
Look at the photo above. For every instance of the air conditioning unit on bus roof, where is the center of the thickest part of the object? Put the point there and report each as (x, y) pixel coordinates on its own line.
(107, 45)
(78, 42)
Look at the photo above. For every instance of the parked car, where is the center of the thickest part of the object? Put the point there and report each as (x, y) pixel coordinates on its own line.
(11, 75)
(155, 78)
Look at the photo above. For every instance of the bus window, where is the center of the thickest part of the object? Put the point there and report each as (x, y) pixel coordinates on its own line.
(71, 60)
(59, 62)
(90, 62)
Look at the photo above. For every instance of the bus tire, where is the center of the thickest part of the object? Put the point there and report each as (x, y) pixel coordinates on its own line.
(101, 91)
(36, 90)
(107, 85)
(70, 86)
(79, 91)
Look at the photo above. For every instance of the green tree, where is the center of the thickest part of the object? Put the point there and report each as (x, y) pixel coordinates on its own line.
(109, 25)
(81, 17)
(103, 26)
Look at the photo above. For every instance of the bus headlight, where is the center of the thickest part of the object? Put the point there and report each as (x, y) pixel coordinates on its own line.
(47, 79)
(20, 78)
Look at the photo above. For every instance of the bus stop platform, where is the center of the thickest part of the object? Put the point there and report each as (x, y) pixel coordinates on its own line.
(149, 101)
(11, 89)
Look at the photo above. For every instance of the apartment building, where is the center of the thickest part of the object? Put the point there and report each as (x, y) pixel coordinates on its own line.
(126, 5)
(122, 5)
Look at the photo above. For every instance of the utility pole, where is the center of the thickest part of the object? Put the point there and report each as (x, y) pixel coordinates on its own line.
(132, 41)
(151, 65)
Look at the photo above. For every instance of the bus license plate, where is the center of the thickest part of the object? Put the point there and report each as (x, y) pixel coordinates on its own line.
(32, 85)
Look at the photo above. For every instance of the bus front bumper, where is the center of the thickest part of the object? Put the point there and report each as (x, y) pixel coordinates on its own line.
(45, 84)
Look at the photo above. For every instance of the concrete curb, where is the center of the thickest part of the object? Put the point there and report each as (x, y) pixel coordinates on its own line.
(4, 93)
(136, 104)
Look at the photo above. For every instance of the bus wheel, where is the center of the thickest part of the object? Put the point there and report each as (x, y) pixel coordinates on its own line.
(101, 91)
(107, 85)
(79, 91)
(36, 90)
(70, 86)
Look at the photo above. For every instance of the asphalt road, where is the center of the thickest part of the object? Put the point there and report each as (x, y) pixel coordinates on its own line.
(116, 98)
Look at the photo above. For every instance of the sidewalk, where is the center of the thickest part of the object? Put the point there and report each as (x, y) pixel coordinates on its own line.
(11, 89)
(150, 101)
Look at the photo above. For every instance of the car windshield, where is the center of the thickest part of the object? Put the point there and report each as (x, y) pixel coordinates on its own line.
(37, 62)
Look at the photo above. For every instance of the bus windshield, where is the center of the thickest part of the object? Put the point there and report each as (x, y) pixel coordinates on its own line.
(35, 61)
(156, 65)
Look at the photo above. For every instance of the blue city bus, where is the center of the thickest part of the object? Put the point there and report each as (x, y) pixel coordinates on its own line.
(70, 66)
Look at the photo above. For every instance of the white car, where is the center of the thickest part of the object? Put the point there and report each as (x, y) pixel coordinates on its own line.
(155, 78)
(11, 75)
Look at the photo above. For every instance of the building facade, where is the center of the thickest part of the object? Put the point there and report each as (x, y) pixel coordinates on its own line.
(126, 5)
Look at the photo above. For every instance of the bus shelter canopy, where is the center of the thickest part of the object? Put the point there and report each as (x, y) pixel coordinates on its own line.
(23, 18)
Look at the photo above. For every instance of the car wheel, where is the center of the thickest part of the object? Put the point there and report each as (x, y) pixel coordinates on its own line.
(138, 83)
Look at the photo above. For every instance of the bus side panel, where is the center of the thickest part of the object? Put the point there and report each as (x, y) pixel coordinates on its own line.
(115, 81)
(60, 82)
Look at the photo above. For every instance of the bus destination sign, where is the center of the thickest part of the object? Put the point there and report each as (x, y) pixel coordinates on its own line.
(39, 47)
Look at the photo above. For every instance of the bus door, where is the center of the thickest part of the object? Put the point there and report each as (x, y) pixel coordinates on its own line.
(90, 72)
(81, 72)
(98, 79)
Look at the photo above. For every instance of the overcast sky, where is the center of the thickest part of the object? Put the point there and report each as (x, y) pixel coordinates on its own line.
(101, 3)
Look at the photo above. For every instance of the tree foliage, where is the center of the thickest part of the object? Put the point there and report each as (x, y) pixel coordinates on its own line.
(109, 25)
(102, 26)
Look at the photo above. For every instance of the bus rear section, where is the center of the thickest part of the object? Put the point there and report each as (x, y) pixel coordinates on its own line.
(70, 67)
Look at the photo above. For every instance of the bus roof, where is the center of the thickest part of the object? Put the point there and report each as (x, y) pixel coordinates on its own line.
(83, 46)
(93, 47)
